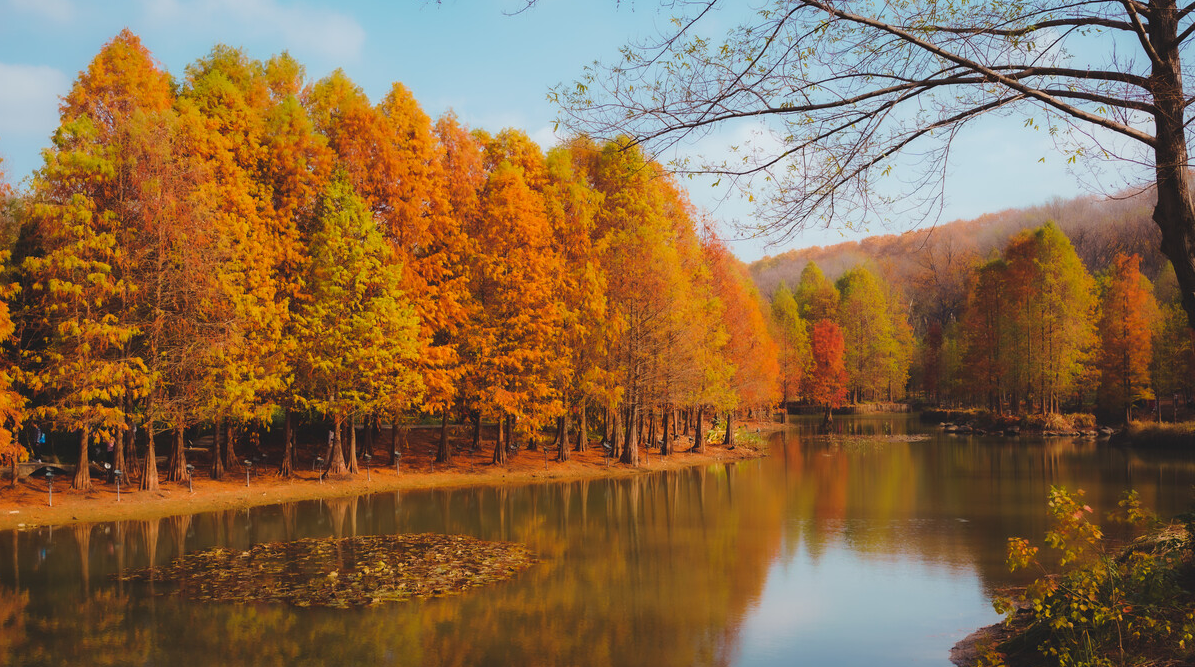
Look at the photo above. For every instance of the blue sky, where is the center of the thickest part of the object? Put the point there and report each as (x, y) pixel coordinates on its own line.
(490, 64)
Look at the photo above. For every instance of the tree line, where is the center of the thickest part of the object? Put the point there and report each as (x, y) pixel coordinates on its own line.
(1035, 331)
(243, 248)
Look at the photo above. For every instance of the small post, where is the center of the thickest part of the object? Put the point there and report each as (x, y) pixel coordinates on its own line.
(118, 475)
(367, 458)
(248, 469)
(190, 474)
(545, 458)
(50, 481)
(397, 459)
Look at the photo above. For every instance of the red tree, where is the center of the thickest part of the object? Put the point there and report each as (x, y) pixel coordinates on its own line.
(826, 384)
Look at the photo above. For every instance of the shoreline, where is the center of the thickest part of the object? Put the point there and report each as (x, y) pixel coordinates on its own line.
(25, 506)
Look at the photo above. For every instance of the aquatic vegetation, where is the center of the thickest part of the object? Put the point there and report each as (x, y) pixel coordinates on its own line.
(344, 572)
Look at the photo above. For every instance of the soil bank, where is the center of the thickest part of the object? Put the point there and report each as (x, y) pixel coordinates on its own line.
(26, 505)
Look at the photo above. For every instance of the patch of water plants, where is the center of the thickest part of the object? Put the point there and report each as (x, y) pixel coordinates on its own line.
(342, 572)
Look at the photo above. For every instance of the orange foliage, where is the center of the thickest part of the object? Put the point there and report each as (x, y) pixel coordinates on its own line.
(826, 383)
(1128, 316)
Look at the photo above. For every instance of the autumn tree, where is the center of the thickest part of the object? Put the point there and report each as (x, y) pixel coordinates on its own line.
(986, 334)
(1128, 319)
(514, 276)
(876, 354)
(816, 297)
(12, 404)
(223, 105)
(572, 208)
(1053, 304)
(661, 323)
(1173, 367)
(861, 91)
(792, 337)
(750, 348)
(826, 384)
(80, 356)
(355, 328)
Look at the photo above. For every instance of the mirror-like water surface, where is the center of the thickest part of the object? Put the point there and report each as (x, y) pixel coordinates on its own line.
(839, 550)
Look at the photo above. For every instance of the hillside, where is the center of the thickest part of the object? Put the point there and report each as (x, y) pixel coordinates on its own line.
(929, 266)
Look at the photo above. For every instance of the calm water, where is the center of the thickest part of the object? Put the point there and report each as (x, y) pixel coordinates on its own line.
(833, 551)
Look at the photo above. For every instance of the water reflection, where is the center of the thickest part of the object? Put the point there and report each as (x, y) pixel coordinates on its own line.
(838, 549)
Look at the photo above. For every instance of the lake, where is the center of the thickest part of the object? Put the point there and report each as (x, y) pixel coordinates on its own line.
(878, 545)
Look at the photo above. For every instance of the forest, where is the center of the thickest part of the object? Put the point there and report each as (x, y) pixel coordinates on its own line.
(245, 251)
(251, 253)
(1011, 313)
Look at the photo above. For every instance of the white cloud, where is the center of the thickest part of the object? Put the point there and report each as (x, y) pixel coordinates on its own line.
(302, 30)
(29, 104)
(56, 10)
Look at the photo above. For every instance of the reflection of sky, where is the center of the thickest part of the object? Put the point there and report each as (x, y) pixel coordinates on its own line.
(847, 608)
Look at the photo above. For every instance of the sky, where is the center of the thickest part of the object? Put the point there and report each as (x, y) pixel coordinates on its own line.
(490, 63)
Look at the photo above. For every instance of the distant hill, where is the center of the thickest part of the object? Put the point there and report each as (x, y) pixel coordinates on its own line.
(929, 267)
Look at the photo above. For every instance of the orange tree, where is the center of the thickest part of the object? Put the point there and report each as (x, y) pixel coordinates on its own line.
(12, 404)
(827, 382)
(1128, 317)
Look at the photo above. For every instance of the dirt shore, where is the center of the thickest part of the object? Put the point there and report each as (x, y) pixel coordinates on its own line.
(26, 504)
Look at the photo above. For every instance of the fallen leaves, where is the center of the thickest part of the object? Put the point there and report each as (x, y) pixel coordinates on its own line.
(344, 572)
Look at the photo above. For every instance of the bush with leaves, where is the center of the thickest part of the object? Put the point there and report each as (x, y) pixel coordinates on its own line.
(1125, 606)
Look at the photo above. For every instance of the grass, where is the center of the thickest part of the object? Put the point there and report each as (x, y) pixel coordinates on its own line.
(1167, 435)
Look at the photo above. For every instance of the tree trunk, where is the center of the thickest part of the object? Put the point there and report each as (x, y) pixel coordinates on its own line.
(562, 437)
(500, 444)
(828, 418)
(286, 469)
(217, 451)
(352, 458)
(176, 469)
(118, 462)
(477, 430)
(336, 464)
(444, 455)
(630, 447)
(367, 436)
(583, 430)
(149, 478)
(132, 460)
(698, 436)
(729, 439)
(1175, 210)
(666, 443)
(393, 441)
(231, 463)
(82, 480)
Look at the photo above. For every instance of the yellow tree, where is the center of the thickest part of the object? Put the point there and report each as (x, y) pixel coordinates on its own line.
(86, 212)
(792, 338)
(817, 298)
(1128, 317)
(295, 168)
(1052, 299)
(12, 404)
(356, 331)
(396, 163)
(222, 107)
(571, 206)
(867, 329)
